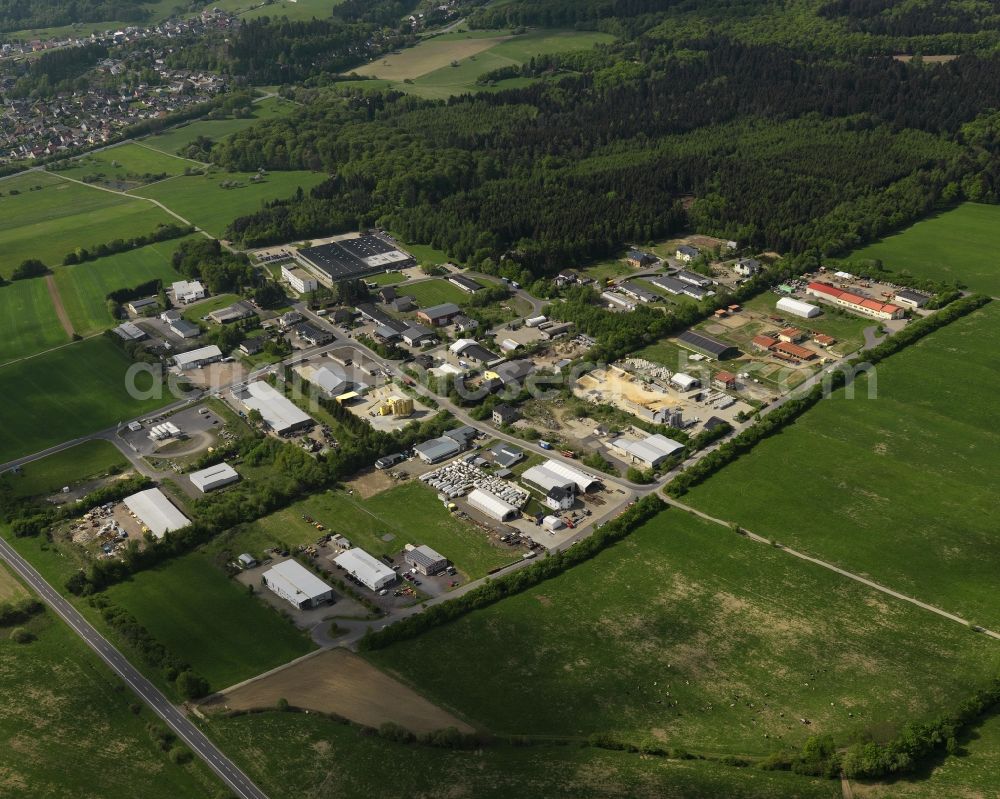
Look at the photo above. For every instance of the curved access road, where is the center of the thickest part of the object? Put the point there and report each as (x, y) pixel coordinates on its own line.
(195, 739)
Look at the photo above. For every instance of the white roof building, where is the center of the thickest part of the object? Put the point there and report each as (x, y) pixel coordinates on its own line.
(797, 308)
(584, 482)
(650, 451)
(156, 512)
(685, 382)
(279, 413)
(186, 291)
(214, 477)
(492, 505)
(546, 479)
(199, 357)
(369, 570)
(295, 583)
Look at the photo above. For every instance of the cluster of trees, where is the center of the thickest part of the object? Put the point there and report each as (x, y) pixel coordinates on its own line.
(58, 71)
(889, 18)
(29, 268)
(494, 590)
(19, 612)
(220, 270)
(18, 15)
(163, 232)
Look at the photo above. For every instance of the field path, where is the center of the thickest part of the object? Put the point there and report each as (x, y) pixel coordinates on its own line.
(846, 789)
(57, 303)
(834, 568)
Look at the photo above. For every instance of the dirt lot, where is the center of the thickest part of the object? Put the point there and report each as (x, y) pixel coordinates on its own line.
(337, 681)
(368, 484)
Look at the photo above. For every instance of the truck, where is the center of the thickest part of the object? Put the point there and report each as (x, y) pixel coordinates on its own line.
(544, 445)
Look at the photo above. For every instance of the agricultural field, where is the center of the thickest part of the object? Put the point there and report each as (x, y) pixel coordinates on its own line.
(435, 292)
(67, 393)
(906, 481)
(50, 221)
(84, 288)
(292, 755)
(203, 201)
(28, 321)
(688, 635)
(449, 64)
(956, 245)
(175, 139)
(89, 459)
(366, 522)
(124, 165)
(68, 729)
(238, 638)
(293, 9)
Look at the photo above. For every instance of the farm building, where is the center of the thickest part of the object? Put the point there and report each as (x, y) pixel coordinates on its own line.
(797, 308)
(214, 477)
(824, 340)
(184, 329)
(437, 449)
(280, 414)
(186, 291)
(136, 307)
(372, 572)
(705, 345)
(294, 583)
(299, 279)
(130, 332)
(794, 351)
(492, 505)
(195, 359)
(156, 512)
(725, 380)
(466, 284)
(439, 315)
(650, 451)
(911, 298)
(791, 335)
(693, 278)
(763, 343)
(425, 560)
(855, 302)
(684, 382)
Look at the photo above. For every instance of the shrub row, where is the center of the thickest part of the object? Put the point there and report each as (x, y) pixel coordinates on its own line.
(162, 233)
(494, 590)
(12, 613)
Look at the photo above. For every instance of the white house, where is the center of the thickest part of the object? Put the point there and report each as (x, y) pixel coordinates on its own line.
(186, 291)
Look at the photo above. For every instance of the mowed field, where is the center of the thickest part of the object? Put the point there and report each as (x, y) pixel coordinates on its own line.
(293, 9)
(292, 755)
(429, 65)
(67, 728)
(962, 244)
(366, 523)
(64, 394)
(84, 288)
(51, 221)
(688, 635)
(204, 203)
(901, 488)
(45, 476)
(435, 292)
(28, 321)
(210, 621)
(125, 163)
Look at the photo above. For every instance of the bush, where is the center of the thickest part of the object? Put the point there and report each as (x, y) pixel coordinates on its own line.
(21, 636)
(191, 685)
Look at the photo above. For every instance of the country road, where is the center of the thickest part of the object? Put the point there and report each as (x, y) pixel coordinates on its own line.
(174, 718)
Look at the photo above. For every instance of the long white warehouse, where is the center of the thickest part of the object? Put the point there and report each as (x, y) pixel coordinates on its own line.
(156, 512)
(279, 413)
(797, 308)
(213, 477)
(650, 452)
(584, 482)
(195, 359)
(492, 505)
(294, 583)
(369, 570)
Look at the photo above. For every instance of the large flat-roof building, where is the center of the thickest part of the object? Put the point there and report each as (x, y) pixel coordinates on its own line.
(911, 298)
(222, 474)
(437, 449)
(706, 345)
(294, 583)
(156, 513)
(356, 257)
(650, 451)
(280, 414)
(194, 359)
(855, 302)
(299, 279)
(370, 571)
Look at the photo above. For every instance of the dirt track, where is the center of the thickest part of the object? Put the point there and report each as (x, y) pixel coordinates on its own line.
(338, 681)
(57, 303)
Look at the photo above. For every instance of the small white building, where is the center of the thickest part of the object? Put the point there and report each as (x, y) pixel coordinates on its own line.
(553, 523)
(492, 505)
(195, 359)
(186, 291)
(155, 512)
(213, 477)
(294, 583)
(372, 572)
(797, 308)
(299, 279)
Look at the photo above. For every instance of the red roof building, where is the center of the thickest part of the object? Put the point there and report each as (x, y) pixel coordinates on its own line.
(724, 380)
(763, 343)
(794, 351)
(855, 302)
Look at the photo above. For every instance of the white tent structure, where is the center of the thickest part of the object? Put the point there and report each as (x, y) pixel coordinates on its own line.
(156, 512)
(492, 505)
(797, 308)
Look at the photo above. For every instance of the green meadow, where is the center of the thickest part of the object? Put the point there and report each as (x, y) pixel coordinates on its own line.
(126, 163)
(28, 322)
(435, 292)
(49, 474)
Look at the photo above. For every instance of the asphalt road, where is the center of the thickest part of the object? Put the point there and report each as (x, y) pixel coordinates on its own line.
(237, 781)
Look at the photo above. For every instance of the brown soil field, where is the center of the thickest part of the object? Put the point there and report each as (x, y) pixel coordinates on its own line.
(426, 57)
(57, 303)
(371, 483)
(338, 681)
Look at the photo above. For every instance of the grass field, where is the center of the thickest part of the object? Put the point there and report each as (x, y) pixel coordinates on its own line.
(689, 635)
(65, 394)
(291, 755)
(847, 328)
(210, 621)
(429, 65)
(68, 730)
(195, 313)
(293, 9)
(61, 216)
(173, 140)
(202, 201)
(435, 292)
(84, 288)
(28, 322)
(960, 244)
(366, 521)
(906, 482)
(131, 160)
(89, 459)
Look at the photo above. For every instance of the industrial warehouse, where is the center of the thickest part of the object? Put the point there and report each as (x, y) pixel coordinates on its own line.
(156, 513)
(294, 583)
(368, 570)
(650, 452)
(279, 413)
(355, 257)
(855, 302)
(214, 477)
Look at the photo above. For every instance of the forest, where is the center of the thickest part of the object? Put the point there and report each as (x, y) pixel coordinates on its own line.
(21, 14)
